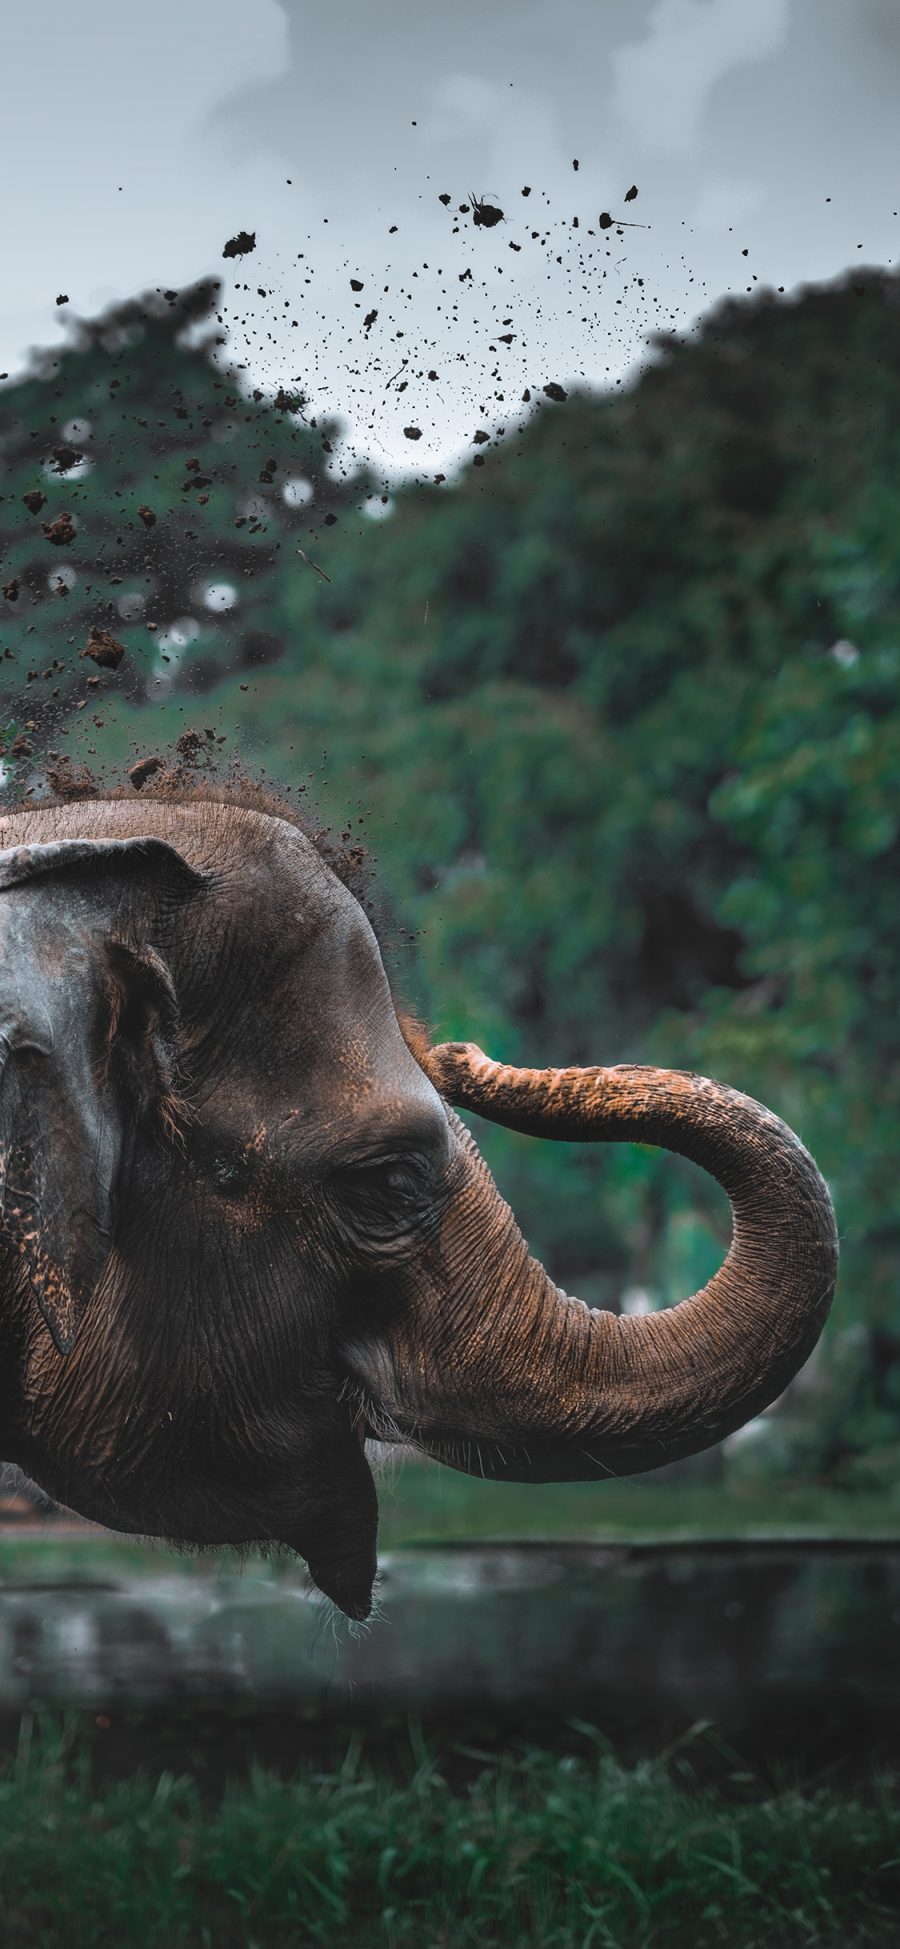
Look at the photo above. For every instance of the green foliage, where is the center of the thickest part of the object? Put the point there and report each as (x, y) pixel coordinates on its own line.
(457, 1847)
(173, 484)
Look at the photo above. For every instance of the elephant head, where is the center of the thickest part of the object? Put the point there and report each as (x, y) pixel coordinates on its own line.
(242, 1226)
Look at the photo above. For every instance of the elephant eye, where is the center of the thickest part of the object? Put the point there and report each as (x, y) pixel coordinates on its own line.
(229, 1170)
(386, 1188)
(398, 1178)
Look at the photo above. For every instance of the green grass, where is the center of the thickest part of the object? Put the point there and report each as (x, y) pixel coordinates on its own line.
(444, 1849)
(422, 1503)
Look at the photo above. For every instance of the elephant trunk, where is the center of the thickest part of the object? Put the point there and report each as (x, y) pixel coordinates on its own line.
(502, 1374)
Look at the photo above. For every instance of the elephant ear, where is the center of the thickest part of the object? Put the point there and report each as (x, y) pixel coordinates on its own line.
(61, 1124)
(55, 1213)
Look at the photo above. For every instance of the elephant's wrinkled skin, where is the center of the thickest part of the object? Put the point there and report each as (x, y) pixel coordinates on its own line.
(242, 1225)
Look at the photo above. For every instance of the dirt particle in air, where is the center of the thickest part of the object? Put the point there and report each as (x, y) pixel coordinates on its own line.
(606, 222)
(412, 432)
(190, 745)
(11, 589)
(486, 214)
(631, 193)
(555, 391)
(143, 770)
(147, 515)
(66, 457)
(34, 500)
(356, 284)
(63, 298)
(103, 648)
(239, 245)
(68, 780)
(61, 531)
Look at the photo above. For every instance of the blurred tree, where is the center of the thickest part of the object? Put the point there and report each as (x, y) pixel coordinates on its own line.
(145, 496)
(564, 687)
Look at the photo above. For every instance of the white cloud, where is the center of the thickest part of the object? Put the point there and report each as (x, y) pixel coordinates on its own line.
(663, 82)
(461, 100)
(726, 201)
(331, 131)
(127, 93)
(511, 134)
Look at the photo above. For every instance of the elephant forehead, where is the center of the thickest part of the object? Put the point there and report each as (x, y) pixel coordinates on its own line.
(288, 991)
(295, 940)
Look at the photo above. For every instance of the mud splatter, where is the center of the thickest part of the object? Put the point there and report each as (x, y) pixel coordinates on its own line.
(104, 649)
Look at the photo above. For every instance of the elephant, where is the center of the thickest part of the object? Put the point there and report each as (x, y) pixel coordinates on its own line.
(244, 1229)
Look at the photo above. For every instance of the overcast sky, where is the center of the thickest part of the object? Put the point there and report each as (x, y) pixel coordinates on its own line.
(762, 137)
